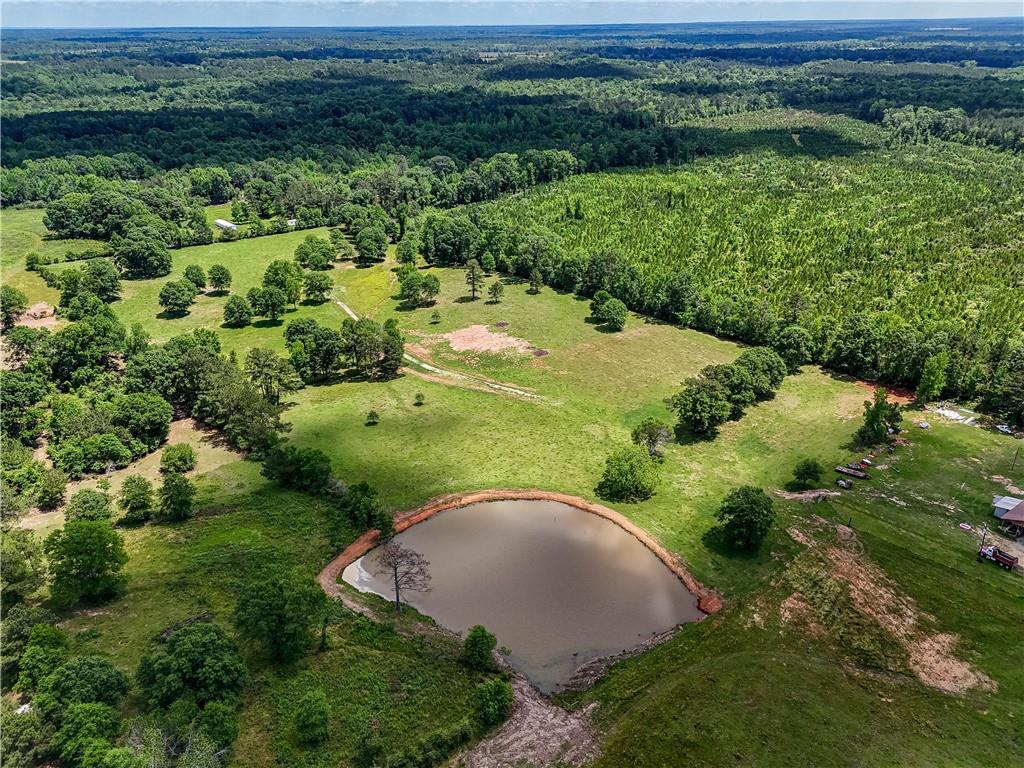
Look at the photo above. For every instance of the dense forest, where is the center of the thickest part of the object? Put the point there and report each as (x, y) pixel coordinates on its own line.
(849, 195)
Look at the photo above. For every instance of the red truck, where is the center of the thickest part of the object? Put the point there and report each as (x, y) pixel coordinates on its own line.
(997, 556)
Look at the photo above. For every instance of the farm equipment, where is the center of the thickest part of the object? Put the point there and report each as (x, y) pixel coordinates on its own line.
(853, 471)
(997, 556)
(847, 484)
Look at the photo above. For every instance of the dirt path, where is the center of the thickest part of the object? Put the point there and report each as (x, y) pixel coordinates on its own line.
(427, 369)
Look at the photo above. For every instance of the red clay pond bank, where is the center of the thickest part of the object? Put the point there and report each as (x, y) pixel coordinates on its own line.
(708, 600)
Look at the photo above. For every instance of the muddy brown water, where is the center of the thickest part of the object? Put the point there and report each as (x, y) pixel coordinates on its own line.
(557, 585)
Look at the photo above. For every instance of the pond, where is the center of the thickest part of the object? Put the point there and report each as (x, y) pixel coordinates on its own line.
(556, 584)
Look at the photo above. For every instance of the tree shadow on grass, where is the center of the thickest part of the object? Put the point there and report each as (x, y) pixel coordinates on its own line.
(715, 541)
(268, 323)
(466, 299)
(168, 315)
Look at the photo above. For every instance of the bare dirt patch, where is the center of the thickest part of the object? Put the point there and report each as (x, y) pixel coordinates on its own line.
(815, 494)
(930, 655)
(40, 315)
(894, 394)
(480, 338)
(537, 733)
(1007, 484)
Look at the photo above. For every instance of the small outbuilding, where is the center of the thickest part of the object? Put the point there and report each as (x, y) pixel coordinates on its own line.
(225, 224)
(1010, 513)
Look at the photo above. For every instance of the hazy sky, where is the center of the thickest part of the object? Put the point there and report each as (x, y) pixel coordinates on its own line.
(249, 13)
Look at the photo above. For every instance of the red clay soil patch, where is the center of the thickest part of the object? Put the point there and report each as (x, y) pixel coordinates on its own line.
(899, 395)
(40, 315)
(480, 338)
(708, 600)
(931, 656)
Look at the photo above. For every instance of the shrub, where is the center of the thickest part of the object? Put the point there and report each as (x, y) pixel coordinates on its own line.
(652, 435)
(304, 469)
(195, 275)
(311, 717)
(136, 499)
(176, 497)
(219, 721)
(88, 504)
(613, 314)
(492, 702)
(178, 458)
(477, 648)
(82, 726)
(746, 516)
(197, 661)
(50, 488)
(86, 558)
(629, 475)
(237, 312)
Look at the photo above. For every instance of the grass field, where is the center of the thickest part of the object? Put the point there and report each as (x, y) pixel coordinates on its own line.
(734, 689)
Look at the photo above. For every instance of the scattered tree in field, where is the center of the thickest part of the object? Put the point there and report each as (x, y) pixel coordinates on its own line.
(317, 287)
(435, 317)
(417, 289)
(23, 569)
(177, 494)
(766, 369)
(88, 504)
(311, 717)
(474, 277)
(599, 299)
(273, 374)
(613, 314)
(933, 377)
(50, 488)
(343, 249)
(880, 416)
(219, 277)
(315, 253)
(195, 275)
(495, 291)
(409, 570)
(280, 611)
(304, 469)
(286, 277)
(372, 418)
(268, 301)
(807, 472)
(177, 458)
(237, 312)
(136, 499)
(746, 516)
(177, 296)
(407, 251)
(492, 702)
(419, 399)
(371, 244)
(477, 648)
(198, 661)
(630, 474)
(85, 560)
(652, 435)
(536, 281)
(703, 405)
(13, 304)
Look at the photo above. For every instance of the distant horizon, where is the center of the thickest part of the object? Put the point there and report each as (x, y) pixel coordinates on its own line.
(373, 14)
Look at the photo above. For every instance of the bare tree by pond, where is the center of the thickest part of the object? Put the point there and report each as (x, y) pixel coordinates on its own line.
(409, 570)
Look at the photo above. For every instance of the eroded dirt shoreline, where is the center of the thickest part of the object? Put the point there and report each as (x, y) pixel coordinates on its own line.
(708, 600)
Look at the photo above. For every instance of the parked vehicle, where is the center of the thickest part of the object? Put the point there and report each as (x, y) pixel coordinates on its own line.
(997, 556)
